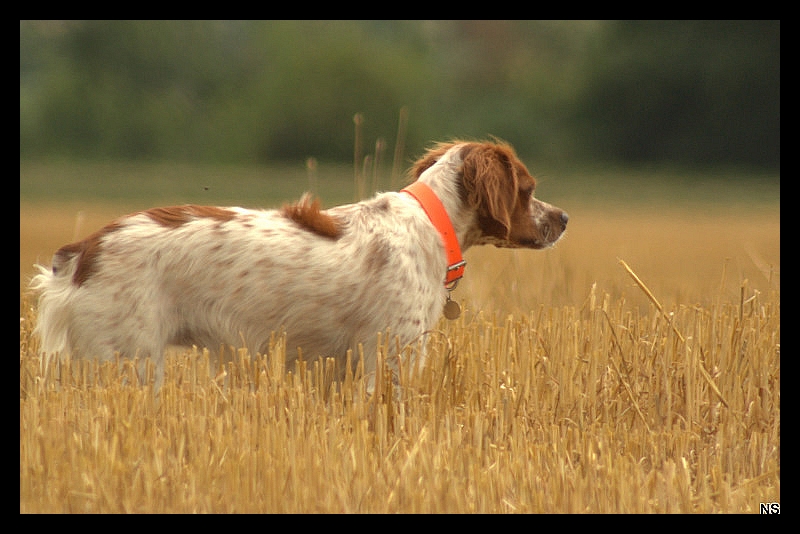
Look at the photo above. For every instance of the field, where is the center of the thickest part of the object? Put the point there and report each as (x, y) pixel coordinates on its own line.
(633, 368)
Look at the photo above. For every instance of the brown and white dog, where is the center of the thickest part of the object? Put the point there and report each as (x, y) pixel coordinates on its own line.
(332, 279)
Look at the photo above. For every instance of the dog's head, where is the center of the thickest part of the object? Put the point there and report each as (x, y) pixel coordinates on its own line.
(494, 183)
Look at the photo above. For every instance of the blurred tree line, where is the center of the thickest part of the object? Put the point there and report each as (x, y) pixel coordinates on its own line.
(693, 93)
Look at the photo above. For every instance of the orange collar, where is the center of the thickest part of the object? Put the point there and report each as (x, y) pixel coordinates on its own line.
(436, 213)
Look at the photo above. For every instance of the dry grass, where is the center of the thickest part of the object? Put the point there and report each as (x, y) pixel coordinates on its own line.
(562, 388)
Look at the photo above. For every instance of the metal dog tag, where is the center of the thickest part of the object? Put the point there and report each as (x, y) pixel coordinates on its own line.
(452, 310)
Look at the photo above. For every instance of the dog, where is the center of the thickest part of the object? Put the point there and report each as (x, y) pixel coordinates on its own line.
(330, 279)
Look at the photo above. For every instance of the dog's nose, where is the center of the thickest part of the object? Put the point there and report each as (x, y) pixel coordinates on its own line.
(564, 217)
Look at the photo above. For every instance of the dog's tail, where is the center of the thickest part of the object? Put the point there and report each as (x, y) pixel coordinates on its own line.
(56, 292)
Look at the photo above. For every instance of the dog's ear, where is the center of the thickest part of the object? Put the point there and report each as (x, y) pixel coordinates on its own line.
(491, 184)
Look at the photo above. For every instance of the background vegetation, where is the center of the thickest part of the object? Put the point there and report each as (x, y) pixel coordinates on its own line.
(694, 93)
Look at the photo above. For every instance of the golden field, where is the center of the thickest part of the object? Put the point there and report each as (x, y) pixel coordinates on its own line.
(563, 388)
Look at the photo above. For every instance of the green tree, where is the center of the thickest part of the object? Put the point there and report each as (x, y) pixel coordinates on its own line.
(691, 92)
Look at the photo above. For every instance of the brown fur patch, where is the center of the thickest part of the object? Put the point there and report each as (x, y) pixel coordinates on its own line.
(175, 216)
(306, 212)
(87, 251)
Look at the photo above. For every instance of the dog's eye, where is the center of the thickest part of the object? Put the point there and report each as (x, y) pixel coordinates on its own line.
(527, 191)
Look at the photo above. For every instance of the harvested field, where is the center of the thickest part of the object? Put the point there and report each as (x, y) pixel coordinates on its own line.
(567, 386)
